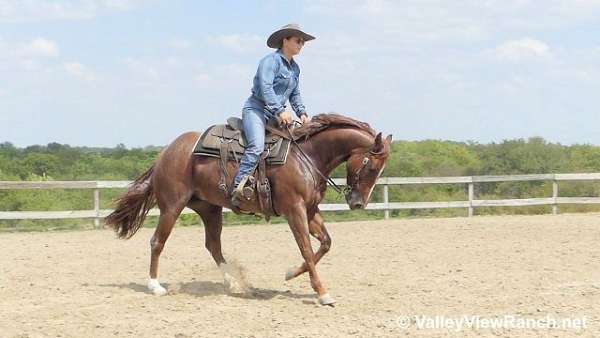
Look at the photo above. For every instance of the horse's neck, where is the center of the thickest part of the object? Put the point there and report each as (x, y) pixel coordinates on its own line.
(330, 148)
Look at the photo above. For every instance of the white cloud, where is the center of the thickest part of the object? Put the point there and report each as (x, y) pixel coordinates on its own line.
(239, 43)
(141, 69)
(38, 54)
(43, 10)
(235, 71)
(39, 47)
(527, 48)
(180, 43)
(202, 79)
(29, 64)
(374, 6)
(418, 22)
(80, 71)
(173, 62)
(226, 77)
(121, 5)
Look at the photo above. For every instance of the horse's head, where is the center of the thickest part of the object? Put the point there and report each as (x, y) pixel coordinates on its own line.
(363, 168)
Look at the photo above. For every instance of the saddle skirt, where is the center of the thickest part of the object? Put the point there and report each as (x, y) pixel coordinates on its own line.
(231, 137)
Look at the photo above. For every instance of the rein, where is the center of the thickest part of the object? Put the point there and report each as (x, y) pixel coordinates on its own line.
(329, 180)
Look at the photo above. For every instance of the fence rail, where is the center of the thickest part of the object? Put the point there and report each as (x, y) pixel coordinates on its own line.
(470, 203)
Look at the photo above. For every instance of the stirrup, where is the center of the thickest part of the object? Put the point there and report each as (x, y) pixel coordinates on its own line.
(236, 198)
(244, 188)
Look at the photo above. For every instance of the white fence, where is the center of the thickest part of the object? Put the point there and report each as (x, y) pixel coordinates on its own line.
(469, 203)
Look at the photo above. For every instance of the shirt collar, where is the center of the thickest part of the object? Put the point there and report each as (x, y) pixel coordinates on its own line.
(280, 52)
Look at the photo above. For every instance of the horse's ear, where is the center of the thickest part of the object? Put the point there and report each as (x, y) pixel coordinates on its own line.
(388, 139)
(378, 147)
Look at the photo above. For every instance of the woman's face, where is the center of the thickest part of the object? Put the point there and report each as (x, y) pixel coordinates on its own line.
(293, 45)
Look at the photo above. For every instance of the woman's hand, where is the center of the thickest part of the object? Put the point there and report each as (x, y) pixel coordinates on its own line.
(304, 118)
(286, 118)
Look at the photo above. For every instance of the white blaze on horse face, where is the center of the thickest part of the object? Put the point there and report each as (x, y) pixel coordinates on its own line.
(373, 187)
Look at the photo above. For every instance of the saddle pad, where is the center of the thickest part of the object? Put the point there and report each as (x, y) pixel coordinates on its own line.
(209, 144)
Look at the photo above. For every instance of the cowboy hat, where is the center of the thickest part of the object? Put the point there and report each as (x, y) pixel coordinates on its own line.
(292, 29)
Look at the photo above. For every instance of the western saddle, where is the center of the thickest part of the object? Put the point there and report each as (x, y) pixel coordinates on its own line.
(227, 142)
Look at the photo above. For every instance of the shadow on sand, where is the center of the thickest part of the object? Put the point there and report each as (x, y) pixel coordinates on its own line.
(207, 288)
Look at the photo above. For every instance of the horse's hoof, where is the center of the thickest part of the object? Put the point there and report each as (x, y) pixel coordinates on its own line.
(291, 273)
(232, 286)
(155, 287)
(326, 299)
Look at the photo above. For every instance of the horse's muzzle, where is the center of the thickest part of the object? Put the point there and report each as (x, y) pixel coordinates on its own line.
(354, 201)
(357, 205)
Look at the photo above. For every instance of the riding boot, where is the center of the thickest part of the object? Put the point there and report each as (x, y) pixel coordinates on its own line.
(242, 192)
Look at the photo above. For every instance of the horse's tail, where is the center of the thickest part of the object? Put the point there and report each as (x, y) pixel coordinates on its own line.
(133, 206)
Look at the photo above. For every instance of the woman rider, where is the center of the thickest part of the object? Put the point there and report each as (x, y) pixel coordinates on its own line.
(275, 82)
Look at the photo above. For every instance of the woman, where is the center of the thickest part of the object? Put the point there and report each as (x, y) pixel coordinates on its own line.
(275, 82)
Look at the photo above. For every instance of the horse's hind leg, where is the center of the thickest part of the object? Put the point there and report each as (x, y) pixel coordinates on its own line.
(157, 242)
(172, 180)
(212, 217)
(170, 205)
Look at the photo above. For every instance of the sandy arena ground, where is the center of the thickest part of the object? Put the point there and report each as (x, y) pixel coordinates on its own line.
(89, 284)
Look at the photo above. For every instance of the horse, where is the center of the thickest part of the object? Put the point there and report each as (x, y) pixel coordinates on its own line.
(179, 179)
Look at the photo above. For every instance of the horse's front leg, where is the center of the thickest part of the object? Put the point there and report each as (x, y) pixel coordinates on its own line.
(317, 229)
(298, 221)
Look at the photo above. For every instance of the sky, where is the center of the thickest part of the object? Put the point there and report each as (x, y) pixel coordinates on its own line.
(142, 72)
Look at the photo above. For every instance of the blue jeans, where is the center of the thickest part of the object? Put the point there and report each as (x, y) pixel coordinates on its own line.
(254, 122)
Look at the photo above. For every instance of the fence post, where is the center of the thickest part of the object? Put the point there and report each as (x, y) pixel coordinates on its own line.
(386, 201)
(470, 185)
(554, 196)
(97, 207)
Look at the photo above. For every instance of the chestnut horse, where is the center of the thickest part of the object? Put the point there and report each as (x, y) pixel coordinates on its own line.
(178, 179)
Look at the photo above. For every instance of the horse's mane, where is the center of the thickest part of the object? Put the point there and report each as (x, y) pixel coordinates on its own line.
(325, 121)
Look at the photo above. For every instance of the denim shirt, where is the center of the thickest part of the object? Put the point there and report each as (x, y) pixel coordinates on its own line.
(275, 82)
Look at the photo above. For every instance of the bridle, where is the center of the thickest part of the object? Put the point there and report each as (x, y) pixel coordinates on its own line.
(356, 181)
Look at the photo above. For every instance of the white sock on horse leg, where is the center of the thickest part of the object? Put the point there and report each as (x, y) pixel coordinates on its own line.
(155, 287)
(230, 282)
